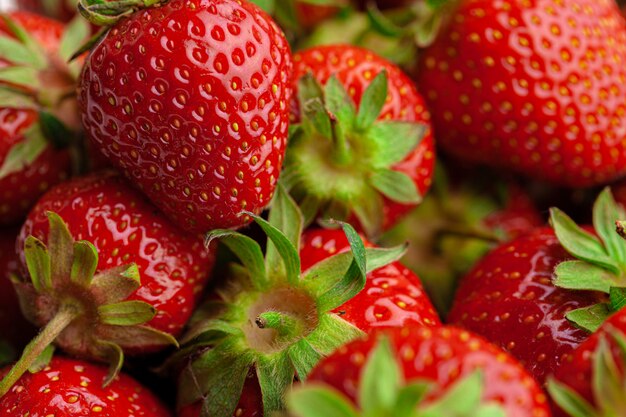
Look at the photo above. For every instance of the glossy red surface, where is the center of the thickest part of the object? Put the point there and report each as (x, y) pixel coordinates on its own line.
(509, 299)
(355, 68)
(393, 295)
(442, 355)
(190, 102)
(69, 387)
(21, 189)
(125, 228)
(536, 86)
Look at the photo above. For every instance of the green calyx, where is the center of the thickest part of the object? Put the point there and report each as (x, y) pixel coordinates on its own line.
(272, 317)
(600, 263)
(38, 82)
(340, 161)
(608, 381)
(383, 392)
(108, 13)
(83, 311)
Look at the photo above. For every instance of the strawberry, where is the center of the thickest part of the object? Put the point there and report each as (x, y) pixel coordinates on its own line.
(310, 14)
(190, 101)
(548, 290)
(70, 387)
(277, 317)
(423, 371)
(37, 108)
(14, 328)
(116, 277)
(363, 147)
(63, 10)
(591, 381)
(532, 86)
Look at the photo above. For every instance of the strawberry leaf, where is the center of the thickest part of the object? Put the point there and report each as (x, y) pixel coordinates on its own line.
(579, 243)
(581, 275)
(275, 375)
(286, 217)
(396, 186)
(114, 356)
(311, 98)
(617, 297)
(372, 102)
(54, 130)
(340, 104)
(319, 401)
(20, 75)
(25, 152)
(126, 313)
(569, 400)
(85, 263)
(303, 358)
(606, 378)
(116, 283)
(76, 32)
(381, 379)
(606, 212)
(136, 337)
(267, 5)
(38, 264)
(368, 210)
(16, 100)
(23, 50)
(394, 141)
(589, 318)
(331, 333)
(60, 247)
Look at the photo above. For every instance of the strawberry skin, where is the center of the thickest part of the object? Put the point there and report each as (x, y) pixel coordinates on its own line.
(532, 85)
(443, 356)
(21, 189)
(355, 68)
(509, 299)
(13, 326)
(393, 296)
(190, 101)
(69, 387)
(124, 227)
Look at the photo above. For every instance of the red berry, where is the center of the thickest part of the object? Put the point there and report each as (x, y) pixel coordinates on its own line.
(533, 86)
(190, 101)
(69, 387)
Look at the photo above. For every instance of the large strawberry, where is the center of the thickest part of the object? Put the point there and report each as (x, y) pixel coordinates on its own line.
(69, 387)
(541, 295)
(532, 85)
(190, 101)
(37, 107)
(363, 146)
(591, 383)
(419, 372)
(278, 316)
(15, 331)
(117, 277)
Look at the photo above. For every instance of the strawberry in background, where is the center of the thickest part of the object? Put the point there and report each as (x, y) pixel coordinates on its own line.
(107, 274)
(38, 111)
(363, 147)
(196, 117)
(532, 86)
(424, 372)
(62, 10)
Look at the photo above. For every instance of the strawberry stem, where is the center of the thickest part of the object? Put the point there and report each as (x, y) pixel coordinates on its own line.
(286, 325)
(64, 317)
(341, 155)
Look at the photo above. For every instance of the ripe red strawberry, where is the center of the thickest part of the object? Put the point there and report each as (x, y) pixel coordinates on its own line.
(190, 100)
(310, 15)
(591, 381)
(37, 107)
(277, 317)
(532, 298)
(113, 266)
(69, 387)
(364, 146)
(15, 331)
(534, 86)
(441, 371)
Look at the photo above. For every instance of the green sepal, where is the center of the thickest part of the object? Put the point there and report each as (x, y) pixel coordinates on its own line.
(311, 98)
(116, 283)
(331, 333)
(54, 130)
(24, 49)
(589, 318)
(286, 217)
(76, 32)
(25, 152)
(38, 264)
(396, 186)
(21, 75)
(61, 249)
(381, 378)
(135, 337)
(605, 212)
(303, 357)
(617, 298)
(372, 102)
(113, 354)
(608, 388)
(42, 360)
(126, 313)
(247, 250)
(381, 23)
(275, 375)
(369, 209)
(267, 5)
(569, 400)
(394, 140)
(354, 278)
(579, 243)
(85, 263)
(340, 104)
(89, 44)
(16, 100)
(409, 396)
(318, 401)
(581, 275)
(286, 249)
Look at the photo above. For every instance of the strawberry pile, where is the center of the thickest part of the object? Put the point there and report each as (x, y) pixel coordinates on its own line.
(313, 208)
